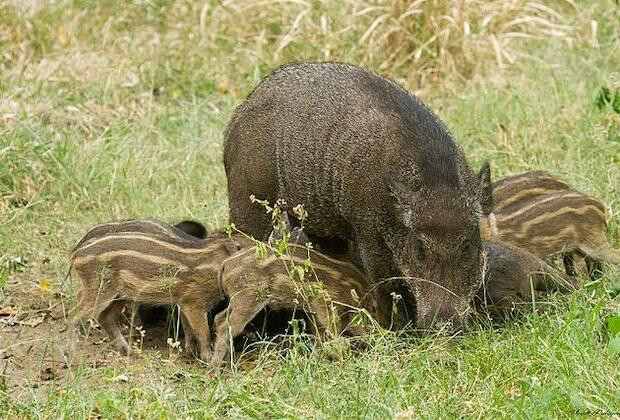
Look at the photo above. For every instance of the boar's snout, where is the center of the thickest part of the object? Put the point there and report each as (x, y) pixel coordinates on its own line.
(442, 311)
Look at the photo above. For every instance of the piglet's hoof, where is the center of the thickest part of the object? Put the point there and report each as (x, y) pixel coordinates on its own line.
(206, 356)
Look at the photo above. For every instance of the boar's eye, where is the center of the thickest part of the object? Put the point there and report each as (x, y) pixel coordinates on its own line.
(418, 249)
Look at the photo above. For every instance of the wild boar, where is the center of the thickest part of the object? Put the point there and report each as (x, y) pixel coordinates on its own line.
(516, 189)
(149, 314)
(371, 164)
(188, 229)
(333, 291)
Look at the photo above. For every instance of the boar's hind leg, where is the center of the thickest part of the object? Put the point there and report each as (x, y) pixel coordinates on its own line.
(92, 304)
(195, 304)
(569, 264)
(231, 322)
(322, 323)
(110, 321)
(84, 311)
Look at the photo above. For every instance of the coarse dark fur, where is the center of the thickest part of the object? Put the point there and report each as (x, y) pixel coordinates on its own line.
(137, 263)
(372, 164)
(515, 276)
(547, 217)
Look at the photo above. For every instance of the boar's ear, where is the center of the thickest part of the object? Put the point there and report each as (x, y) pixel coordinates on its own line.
(192, 228)
(402, 198)
(486, 188)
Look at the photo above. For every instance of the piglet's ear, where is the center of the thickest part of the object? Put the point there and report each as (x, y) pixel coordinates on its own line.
(486, 188)
(195, 229)
(402, 198)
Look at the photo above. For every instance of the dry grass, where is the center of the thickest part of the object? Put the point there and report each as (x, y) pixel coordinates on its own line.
(150, 46)
(92, 67)
(86, 64)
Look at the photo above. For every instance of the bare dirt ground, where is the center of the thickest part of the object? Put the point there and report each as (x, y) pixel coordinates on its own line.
(41, 350)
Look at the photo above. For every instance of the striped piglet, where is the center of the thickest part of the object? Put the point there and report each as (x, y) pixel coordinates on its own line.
(148, 262)
(545, 216)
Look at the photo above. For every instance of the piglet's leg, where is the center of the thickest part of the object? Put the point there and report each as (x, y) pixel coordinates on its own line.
(320, 319)
(594, 267)
(191, 341)
(569, 264)
(243, 307)
(90, 306)
(110, 321)
(196, 317)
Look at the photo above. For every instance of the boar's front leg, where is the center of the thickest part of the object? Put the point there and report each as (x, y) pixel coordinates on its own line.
(109, 319)
(377, 259)
(374, 256)
(196, 317)
(196, 300)
(243, 307)
(191, 341)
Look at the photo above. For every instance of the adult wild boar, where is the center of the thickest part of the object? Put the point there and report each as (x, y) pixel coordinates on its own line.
(372, 164)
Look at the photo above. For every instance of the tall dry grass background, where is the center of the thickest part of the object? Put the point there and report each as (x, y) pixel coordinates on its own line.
(115, 109)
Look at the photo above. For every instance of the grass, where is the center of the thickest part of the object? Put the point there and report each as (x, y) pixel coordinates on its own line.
(114, 110)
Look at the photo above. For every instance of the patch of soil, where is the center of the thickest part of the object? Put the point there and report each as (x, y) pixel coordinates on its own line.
(41, 348)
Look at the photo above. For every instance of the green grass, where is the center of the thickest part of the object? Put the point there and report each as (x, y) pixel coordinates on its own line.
(124, 119)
